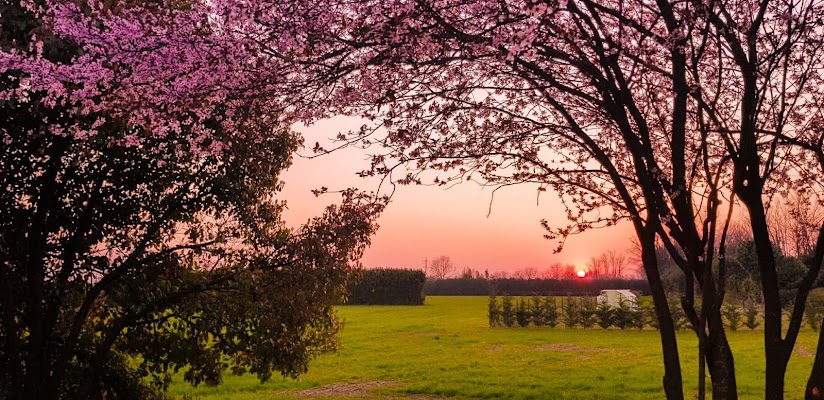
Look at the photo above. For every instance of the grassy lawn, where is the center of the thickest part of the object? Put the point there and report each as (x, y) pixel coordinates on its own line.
(445, 349)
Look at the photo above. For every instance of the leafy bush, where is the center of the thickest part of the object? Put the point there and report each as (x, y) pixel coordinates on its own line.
(733, 315)
(586, 312)
(522, 314)
(508, 311)
(623, 315)
(388, 286)
(750, 315)
(536, 311)
(648, 313)
(679, 318)
(814, 314)
(639, 316)
(494, 311)
(550, 312)
(604, 314)
(570, 311)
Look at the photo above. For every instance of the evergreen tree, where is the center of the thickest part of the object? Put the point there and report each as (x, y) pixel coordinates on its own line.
(508, 311)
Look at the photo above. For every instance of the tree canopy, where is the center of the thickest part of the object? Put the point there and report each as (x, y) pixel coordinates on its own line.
(140, 234)
(666, 114)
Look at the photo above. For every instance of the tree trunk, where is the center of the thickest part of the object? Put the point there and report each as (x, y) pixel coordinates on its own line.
(673, 384)
(775, 350)
(721, 365)
(815, 385)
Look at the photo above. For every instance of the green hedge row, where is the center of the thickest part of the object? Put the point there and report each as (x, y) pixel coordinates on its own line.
(387, 286)
(569, 311)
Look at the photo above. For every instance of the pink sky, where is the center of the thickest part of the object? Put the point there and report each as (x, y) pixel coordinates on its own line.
(426, 222)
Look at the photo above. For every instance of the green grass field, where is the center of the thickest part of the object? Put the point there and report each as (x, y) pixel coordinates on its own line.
(445, 349)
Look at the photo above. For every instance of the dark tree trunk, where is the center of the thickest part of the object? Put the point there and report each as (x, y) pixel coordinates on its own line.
(721, 365)
(673, 383)
(815, 385)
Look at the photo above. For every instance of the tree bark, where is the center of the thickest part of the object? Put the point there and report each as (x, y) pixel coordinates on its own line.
(673, 382)
(815, 384)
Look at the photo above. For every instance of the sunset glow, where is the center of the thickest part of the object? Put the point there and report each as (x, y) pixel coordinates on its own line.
(581, 273)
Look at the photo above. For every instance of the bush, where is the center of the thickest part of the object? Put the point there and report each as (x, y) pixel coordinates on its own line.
(570, 310)
(536, 311)
(604, 314)
(639, 316)
(522, 314)
(648, 313)
(508, 311)
(623, 315)
(733, 315)
(387, 286)
(814, 314)
(679, 318)
(494, 311)
(550, 312)
(751, 315)
(586, 312)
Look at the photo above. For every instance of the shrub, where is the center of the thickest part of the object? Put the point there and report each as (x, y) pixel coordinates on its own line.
(494, 311)
(679, 318)
(570, 310)
(550, 312)
(648, 313)
(639, 316)
(733, 315)
(814, 314)
(604, 314)
(387, 286)
(536, 311)
(522, 313)
(586, 312)
(622, 317)
(508, 311)
(750, 315)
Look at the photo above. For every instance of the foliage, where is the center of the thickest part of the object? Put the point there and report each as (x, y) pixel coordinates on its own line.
(733, 315)
(522, 314)
(620, 107)
(751, 315)
(648, 312)
(604, 314)
(537, 312)
(524, 287)
(679, 319)
(550, 316)
(586, 310)
(387, 286)
(569, 309)
(624, 315)
(494, 311)
(508, 311)
(815, 313)
(140, 232)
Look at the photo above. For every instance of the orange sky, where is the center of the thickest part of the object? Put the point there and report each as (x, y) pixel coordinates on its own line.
(426, 222)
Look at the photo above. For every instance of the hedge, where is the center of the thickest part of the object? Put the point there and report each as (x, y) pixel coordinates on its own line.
(524, 287)
(388, 287)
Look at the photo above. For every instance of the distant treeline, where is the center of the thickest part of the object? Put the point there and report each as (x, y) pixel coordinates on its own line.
(387, 287)
(529, 287)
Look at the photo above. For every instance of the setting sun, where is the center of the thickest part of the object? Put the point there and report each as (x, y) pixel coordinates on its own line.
(581, 273)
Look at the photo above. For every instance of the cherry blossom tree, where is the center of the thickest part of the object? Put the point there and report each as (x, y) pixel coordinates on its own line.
(140, 228)
(665, 114)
